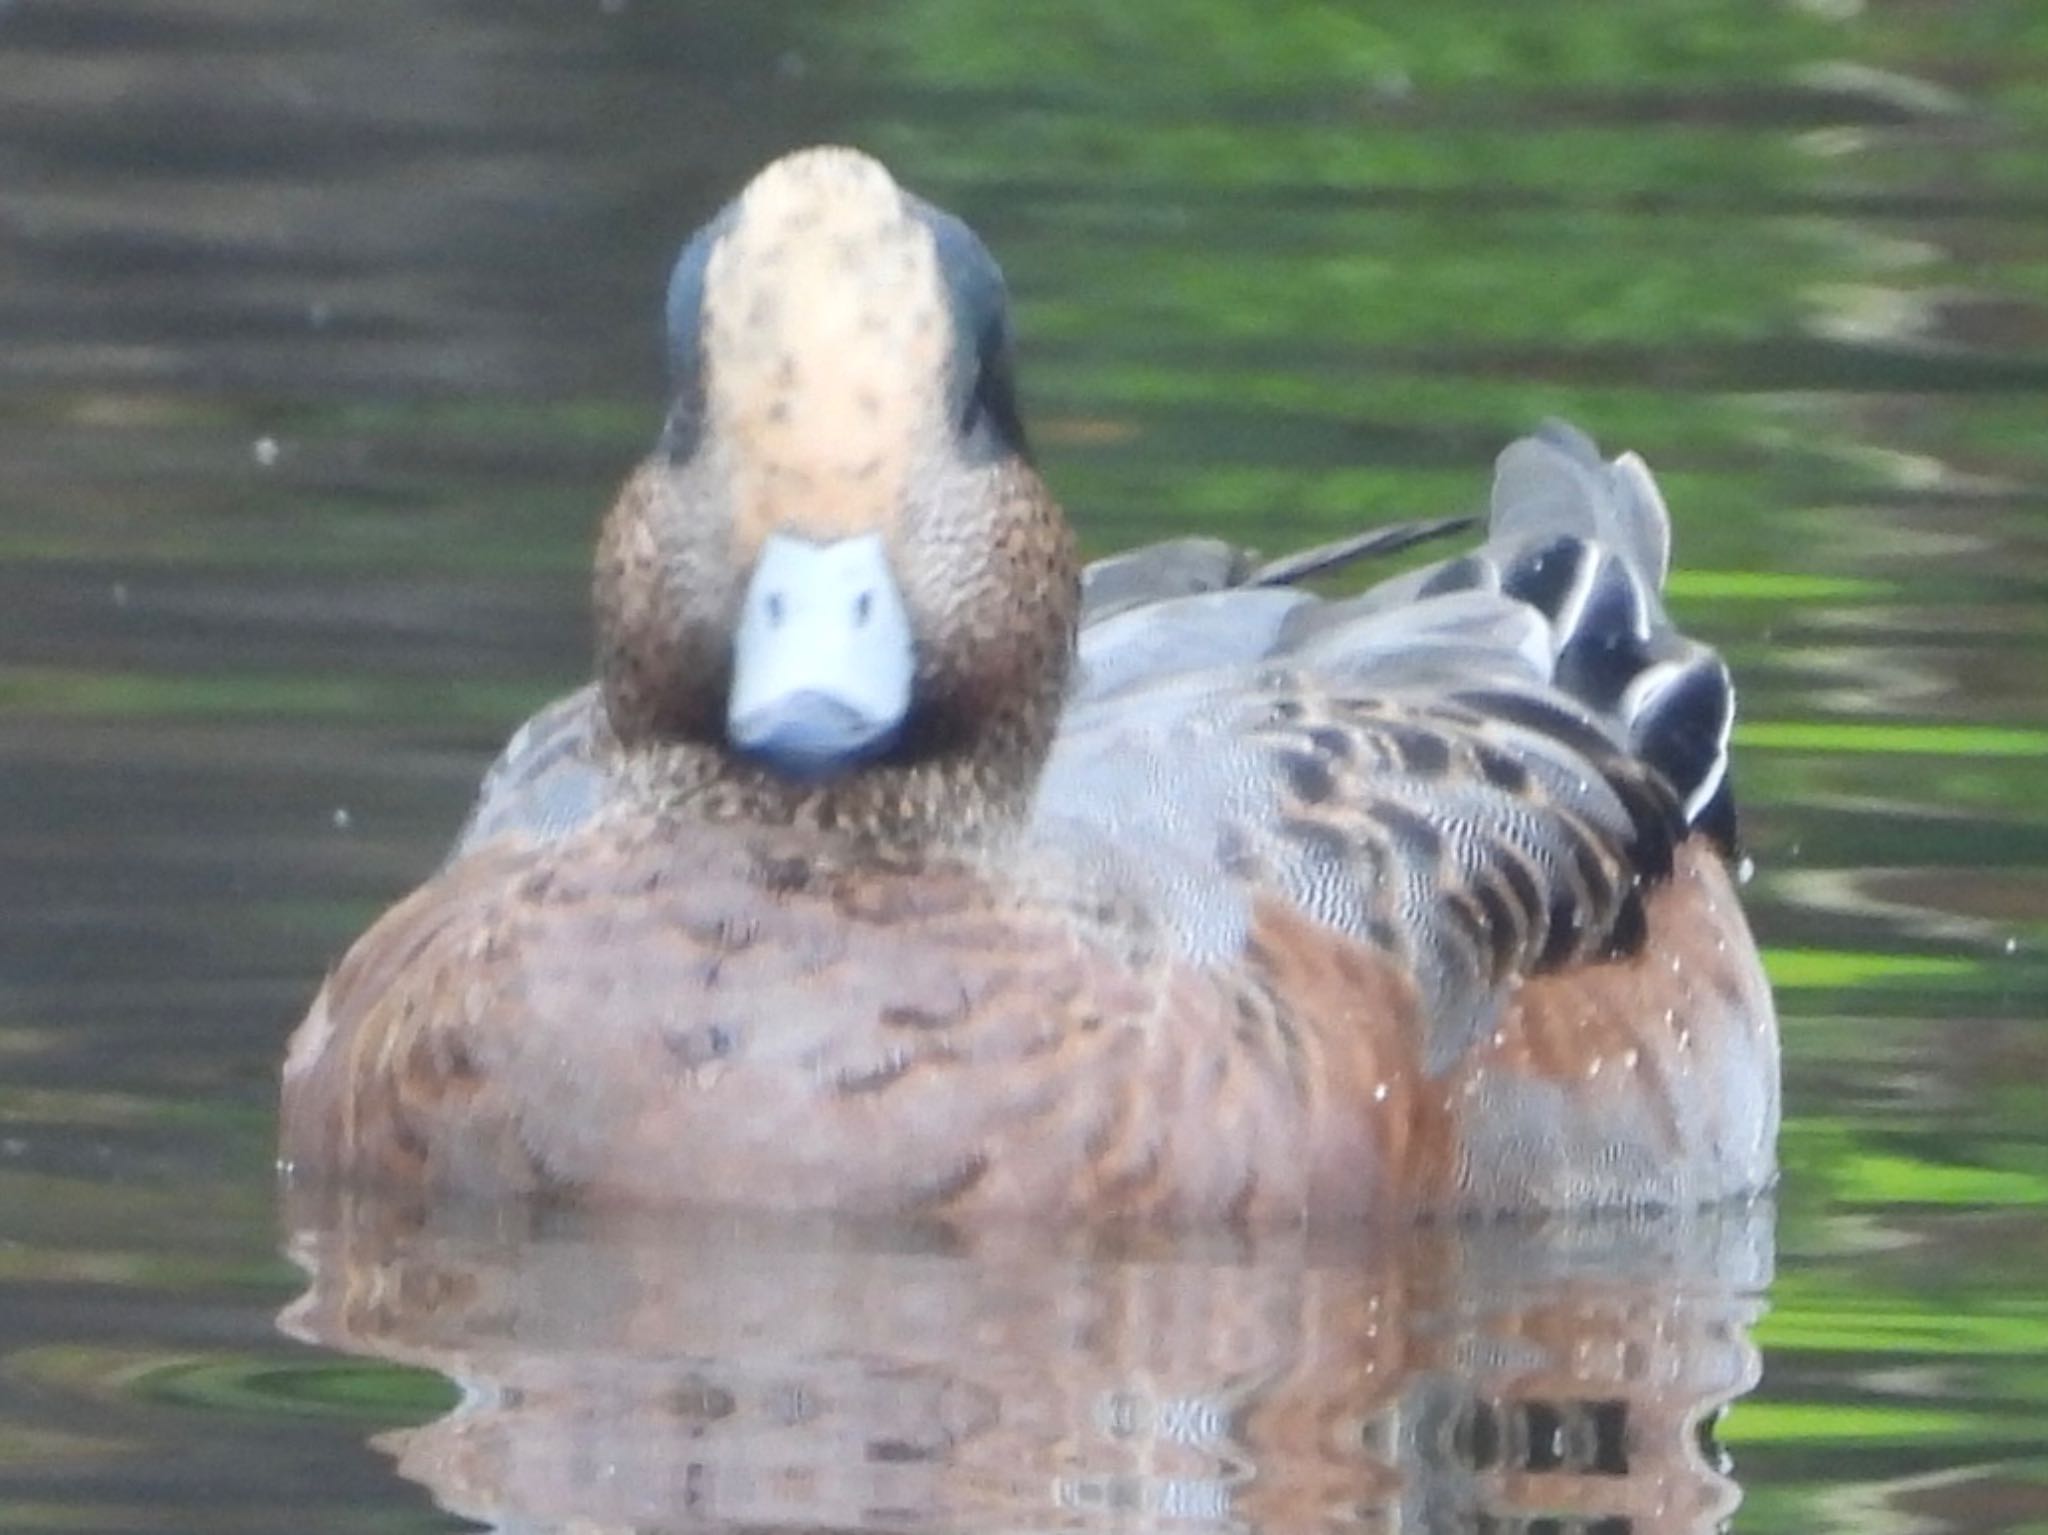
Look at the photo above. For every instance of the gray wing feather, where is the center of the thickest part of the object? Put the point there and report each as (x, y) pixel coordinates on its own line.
(550, 778)
(1473, 765)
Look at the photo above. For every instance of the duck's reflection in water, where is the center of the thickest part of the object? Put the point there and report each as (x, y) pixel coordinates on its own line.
(709, 1373)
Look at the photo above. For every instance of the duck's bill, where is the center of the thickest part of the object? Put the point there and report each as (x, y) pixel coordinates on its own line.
(824, 658)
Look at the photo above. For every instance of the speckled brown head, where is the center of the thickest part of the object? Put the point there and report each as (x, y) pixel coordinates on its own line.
(838, 593)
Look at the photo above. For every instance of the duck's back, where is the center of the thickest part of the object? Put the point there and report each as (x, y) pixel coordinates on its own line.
(1505, 777)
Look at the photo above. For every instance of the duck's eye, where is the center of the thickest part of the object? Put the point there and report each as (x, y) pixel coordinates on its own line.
(683, 319)
(984, 400)
(774, 608)
(863, 607)
(989, 427)
(972, 412)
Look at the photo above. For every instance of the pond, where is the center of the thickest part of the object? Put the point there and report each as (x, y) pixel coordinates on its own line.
(326, 333)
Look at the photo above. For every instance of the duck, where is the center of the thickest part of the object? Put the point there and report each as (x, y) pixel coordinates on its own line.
(895, 864)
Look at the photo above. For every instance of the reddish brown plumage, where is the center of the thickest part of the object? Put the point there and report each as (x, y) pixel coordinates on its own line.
(558, 1021)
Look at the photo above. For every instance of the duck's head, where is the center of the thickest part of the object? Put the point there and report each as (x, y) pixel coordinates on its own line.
(839, 580)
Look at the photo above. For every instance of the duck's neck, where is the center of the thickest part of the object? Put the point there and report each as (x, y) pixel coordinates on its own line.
(956, 803)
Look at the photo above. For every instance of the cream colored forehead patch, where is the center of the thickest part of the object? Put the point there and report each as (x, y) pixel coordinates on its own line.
(825, 342)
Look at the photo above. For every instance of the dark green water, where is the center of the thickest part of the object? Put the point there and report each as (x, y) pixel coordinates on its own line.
(325, 333)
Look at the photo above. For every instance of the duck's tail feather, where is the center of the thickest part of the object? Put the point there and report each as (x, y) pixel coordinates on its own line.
(1372, 544)
(1190, 567)
(1586, 543)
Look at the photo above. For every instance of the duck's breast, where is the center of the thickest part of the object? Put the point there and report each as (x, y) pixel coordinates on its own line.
(687, 1015)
